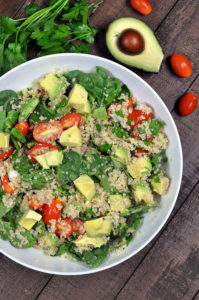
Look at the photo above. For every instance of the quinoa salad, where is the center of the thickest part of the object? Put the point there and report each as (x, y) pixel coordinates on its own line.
(81, 162)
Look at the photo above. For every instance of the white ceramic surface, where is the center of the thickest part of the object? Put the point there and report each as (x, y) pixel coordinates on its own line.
(22, 77)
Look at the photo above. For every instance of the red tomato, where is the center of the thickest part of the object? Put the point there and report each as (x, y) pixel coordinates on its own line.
(139, 116)
(130, 105)
(6, 186)
(34, 203)
(52, 212)
(46, 132)
(111, 108)
(64, 228)
(24, 127)
(181, 65)
(78, 226)
(138, 151)
(143, 6)
(5, 153)
(187, 104)
(40, 149)
(71, 120)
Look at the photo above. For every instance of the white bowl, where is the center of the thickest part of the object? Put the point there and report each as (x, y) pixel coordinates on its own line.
(22, 77)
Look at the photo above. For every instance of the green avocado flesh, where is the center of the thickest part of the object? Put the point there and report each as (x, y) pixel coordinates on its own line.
(149, 59)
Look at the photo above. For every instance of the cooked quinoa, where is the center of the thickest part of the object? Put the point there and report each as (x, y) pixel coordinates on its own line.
(81, 162)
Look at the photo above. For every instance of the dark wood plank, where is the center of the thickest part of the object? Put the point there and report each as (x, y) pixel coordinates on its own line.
(178, 33)
(106, 284)
(11, 8)
(170, 271)
(18, 282)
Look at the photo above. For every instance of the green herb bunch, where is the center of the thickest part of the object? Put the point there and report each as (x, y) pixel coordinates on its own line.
(50, 30)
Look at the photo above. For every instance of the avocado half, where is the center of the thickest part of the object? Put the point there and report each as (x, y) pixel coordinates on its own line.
(149, 59)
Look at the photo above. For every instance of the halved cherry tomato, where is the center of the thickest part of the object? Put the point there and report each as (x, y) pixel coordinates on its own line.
(46, 132)
(139, 151)
(34, 203)
(6, 186)
(138, 117)
(24, 127)
(181, 65)
(143, 6)
(40, 149)
(64, 228)
(130, 104)
(111, 108)
(6, 152)
(78, 226)
(187, 104)
(52, 211)
(71, 120)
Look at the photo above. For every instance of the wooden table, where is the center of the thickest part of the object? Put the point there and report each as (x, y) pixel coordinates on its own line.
(168, 268)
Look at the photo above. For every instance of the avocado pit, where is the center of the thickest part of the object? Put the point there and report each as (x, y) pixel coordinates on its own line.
(131, 42)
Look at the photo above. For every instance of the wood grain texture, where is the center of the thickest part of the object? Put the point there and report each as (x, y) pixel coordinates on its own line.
(170, 271)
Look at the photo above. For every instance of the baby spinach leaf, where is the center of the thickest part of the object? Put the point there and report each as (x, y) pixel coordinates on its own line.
(21, 164)
(5, 97)
(107, 185)
(37, 178)
(63, 248)
(42, 112)
(5, 229)
(2, 120)
(96, 163)
(17, 134)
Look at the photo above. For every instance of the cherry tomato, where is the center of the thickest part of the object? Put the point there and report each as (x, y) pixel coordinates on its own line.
(78, 226)
(6, 186)
(46, 132)
(111, 108)
(187, 104)
(139, 151)
(39, 150)
(71, 120)
(181, 65)
(52, 211)
(143, 6)
(64, 228)
(130, 104)
(24, 127)
(6, 152)
(138, 117)
(34, 203)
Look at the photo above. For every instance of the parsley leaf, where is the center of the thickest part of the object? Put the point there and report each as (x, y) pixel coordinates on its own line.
(120, 113)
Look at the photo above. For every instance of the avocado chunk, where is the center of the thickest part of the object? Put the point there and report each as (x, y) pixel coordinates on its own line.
(100, 114)
(29, 219)
(4, 140)
(143, 193)
(86, 186)
(119, 203)
(85, 109)
(140, 167)
(162, 186)
(50, 159)
(78, 97)
(71, 137)
(96, 242)
(98, 227)
(27, 109)
(149, 57)
(53, 84)
(121, 156)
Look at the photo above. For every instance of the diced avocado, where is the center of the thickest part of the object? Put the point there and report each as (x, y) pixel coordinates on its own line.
(143, 193)
(42, 161)
(119, 203)
(162, 186)
(27, 109)
(121, 156)
(53, 84)
(86, 186)
(98, 227)
(78, 96)
(96, 242)
(4, 140)
(139, 167)
(54, 158)
(86, 109)
(71, 137)
(29, 219)
(100, 114)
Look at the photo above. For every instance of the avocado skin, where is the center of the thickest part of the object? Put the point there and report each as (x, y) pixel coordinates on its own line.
(149, 59)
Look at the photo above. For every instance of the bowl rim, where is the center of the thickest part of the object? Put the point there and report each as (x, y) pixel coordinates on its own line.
(147, 241)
